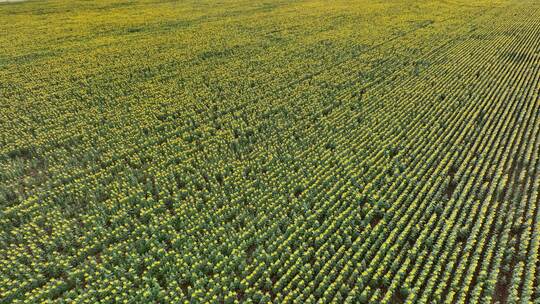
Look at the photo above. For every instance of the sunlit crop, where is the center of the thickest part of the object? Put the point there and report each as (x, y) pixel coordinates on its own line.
(272, 151)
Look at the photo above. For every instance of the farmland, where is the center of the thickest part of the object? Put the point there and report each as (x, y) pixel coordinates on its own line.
(280, 151)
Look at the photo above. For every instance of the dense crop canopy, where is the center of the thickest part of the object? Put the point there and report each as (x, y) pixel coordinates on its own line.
(270, 151)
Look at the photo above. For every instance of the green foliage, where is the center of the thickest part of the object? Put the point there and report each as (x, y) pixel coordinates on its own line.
(269, 151)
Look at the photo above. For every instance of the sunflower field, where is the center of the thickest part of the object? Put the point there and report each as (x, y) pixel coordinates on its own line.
(270, 151)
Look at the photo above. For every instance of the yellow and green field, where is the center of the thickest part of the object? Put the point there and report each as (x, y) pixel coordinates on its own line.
(270, 151)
